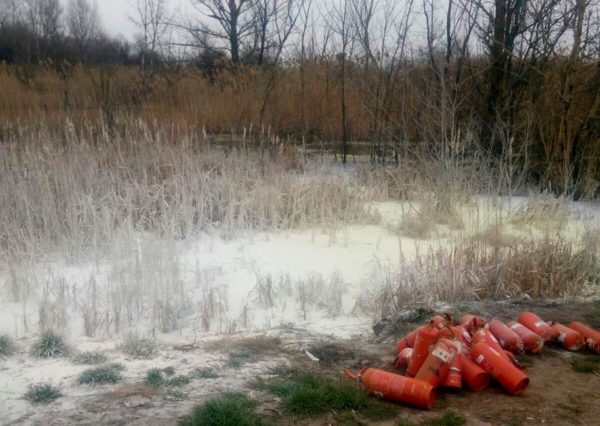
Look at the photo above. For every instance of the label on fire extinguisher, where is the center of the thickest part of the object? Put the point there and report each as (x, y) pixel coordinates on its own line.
(561, 337)
(515, 326)
(441, 354)
(540, 324)
(480, 359)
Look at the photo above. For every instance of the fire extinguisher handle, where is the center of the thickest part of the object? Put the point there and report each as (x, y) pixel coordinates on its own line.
(353, 376)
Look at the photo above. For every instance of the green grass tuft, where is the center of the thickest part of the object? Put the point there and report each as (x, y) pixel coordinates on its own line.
(180, 380)
(138, 347)
(589, 364)
(308, 395)
(525, 360)
(108, 374)
(155, 378)
(43, 393)
(169, 371)
(450, 418)
(204, 373)
(406, 422)
(49, 345)
(117, 366)
(549, 352)
(240, 357)
(226, 410)
(7, 346)
(90, 358)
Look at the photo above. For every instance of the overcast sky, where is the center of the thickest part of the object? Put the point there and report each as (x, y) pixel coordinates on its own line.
(115, 15)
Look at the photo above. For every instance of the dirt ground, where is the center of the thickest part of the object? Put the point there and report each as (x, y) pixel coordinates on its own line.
(557, 395)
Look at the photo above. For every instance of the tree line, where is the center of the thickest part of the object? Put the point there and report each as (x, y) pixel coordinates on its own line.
(517, 81)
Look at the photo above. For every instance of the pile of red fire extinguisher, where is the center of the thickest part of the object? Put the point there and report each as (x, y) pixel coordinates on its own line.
(444, 355)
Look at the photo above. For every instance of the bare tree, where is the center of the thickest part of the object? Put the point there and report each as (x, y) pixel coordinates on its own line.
(381, 31)
(339, 19)
(152, 19)
(284, 16)
(43, 17)
(231, 22)
(83, 21)
(10, 11)
(305, 19)
(264, 11)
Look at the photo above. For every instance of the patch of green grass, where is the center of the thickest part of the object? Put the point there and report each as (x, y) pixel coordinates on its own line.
(525, 360)
(155, 378)
(449, 418)
(240, 357)
(49, 345)
(108, 374)
(308, 395)
(204, 373)
(169, 371)
(549, 352)
(138, 347)
(379, 409)
(420, 315)
(588, 364)
(90, 358)
(117, 366)
(43, 393)
(180, 380)
(285, 370)
(7, 346)
(227, 410)
(347, 418)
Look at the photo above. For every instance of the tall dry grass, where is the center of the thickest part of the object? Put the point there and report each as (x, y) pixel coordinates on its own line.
(95, 190)
(305, 106)
(474, 270)
(78, 192)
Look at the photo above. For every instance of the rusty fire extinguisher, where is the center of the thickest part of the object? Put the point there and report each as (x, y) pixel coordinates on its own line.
(476, 378)
(507, 338)
(531, 341)
(426, 337)
(537, 325)
(436, 365)
(484, 335)
(439, 322)
(453, 377)
(407, 341)
(591, 336)
(503, 371)
(470, 322)
(395, 387)
(460, 333)
(403, 358)
(570, 339)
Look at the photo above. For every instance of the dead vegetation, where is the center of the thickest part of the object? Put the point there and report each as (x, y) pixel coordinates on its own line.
(546, 268)
(138, 347)
(133, 389)
(259, 344)
(94, 184)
